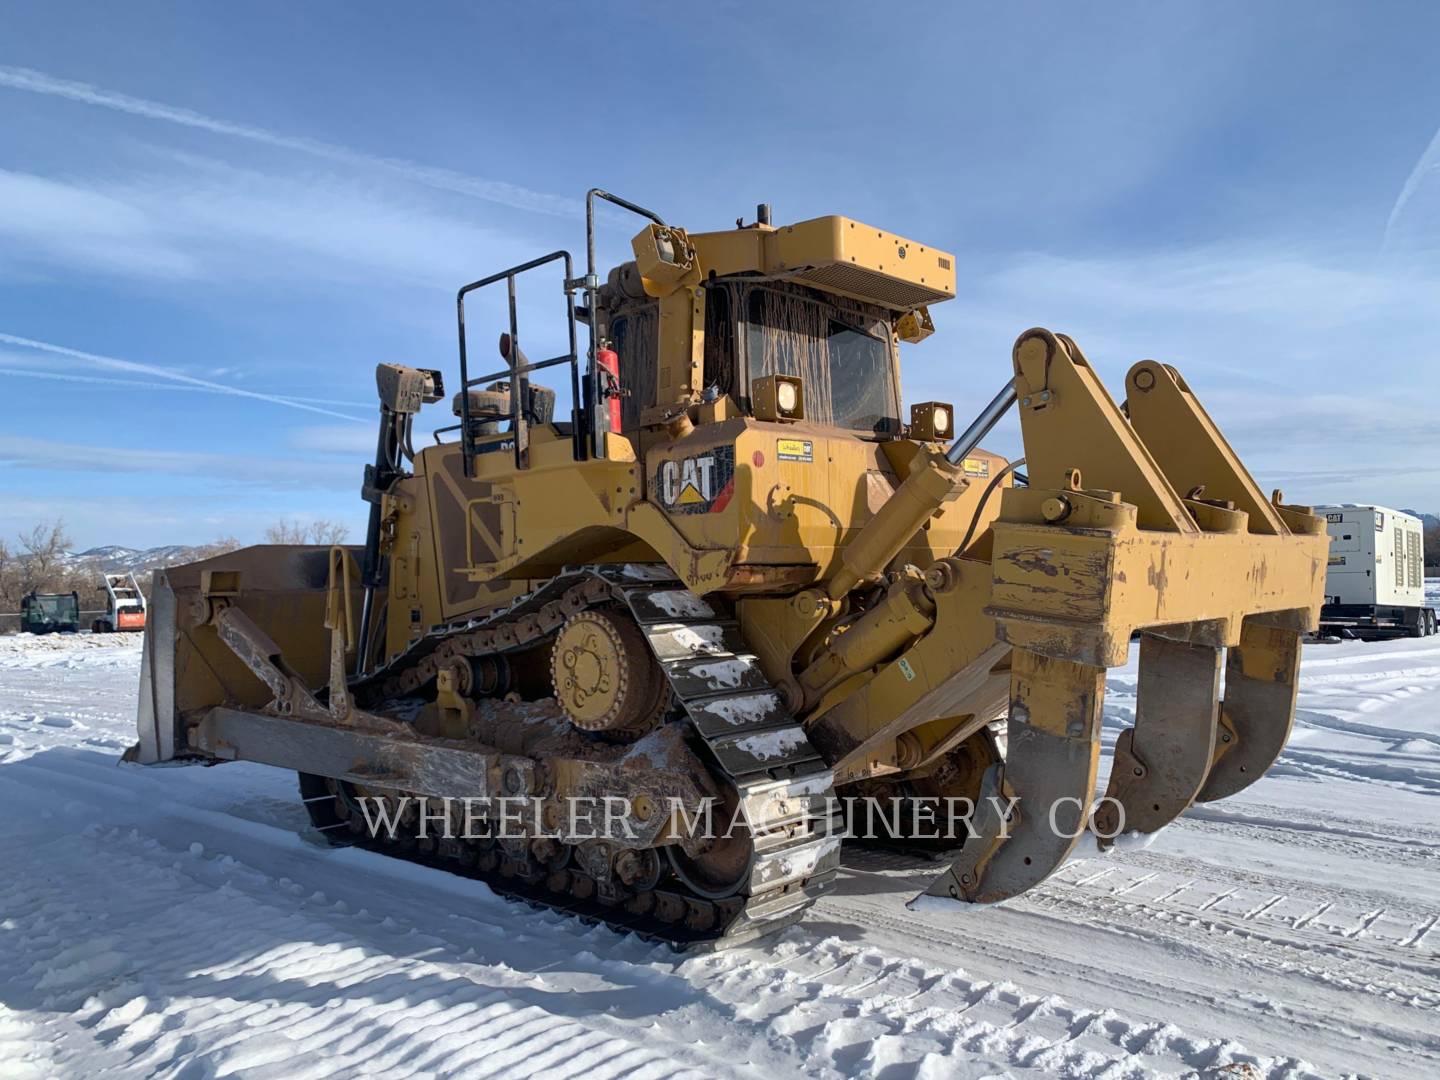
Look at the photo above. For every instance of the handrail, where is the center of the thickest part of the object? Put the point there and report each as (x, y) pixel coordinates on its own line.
(519, 386)
(598, 413)
(589, 408)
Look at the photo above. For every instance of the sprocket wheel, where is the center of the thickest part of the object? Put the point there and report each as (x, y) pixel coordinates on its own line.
(605, 677)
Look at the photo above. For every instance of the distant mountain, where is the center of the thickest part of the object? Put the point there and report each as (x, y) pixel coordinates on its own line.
(114, 558)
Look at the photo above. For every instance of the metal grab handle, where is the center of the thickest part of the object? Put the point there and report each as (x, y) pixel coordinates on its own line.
(596, 416)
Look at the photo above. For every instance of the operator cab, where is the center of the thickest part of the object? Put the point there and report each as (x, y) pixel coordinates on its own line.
(794, 323)
(843, 351)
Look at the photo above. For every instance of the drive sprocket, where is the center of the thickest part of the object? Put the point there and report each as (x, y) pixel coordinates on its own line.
(605, 677)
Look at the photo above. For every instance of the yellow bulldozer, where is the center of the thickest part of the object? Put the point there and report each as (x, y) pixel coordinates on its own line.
(737, 577)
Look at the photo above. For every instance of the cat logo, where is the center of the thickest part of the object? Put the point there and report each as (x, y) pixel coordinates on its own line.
(699, 484)
(687, 481)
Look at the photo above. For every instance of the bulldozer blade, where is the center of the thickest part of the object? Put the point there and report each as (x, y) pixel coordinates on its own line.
(1035, 807)
(280, 591)
(1161, 763)
(1261, 676)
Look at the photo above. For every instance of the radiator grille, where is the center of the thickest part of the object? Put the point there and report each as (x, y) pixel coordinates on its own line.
(872, 285)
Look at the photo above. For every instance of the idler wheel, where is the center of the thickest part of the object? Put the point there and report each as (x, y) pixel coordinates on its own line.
(723, 867)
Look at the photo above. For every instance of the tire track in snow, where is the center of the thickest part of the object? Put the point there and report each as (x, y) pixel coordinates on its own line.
(1191, 973)
(283, 979)
(178, 960)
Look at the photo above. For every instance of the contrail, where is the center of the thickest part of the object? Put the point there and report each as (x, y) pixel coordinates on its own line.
(137, 384)
(496, 191)
(1429, 162)
(115, 364)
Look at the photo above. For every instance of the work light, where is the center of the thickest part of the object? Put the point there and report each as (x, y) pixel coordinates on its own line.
(930, 421)
(777, 397)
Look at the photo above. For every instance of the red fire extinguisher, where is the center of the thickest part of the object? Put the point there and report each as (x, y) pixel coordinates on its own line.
(608, 363)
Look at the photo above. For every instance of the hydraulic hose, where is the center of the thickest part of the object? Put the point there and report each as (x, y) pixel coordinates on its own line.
(984, 497)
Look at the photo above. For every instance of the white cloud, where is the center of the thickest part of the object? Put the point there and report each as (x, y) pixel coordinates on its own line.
(1412, 219)
(496, 191)
(232, 469)
(1208, 281)
(195, 218)
(116, 364)
(22, 365)
(59, 223)
(335, 439)
(163, 518)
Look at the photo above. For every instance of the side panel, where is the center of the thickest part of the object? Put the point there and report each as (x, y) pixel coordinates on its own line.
(1415, 562)
(1377, 556)
(466, 545)
(795, 494)
(1389, 559)
(1350, 574)
(1399, 571)
(471, 523)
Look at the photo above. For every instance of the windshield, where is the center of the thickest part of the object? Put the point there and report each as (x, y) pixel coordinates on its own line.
(843, 360)
(54, 607)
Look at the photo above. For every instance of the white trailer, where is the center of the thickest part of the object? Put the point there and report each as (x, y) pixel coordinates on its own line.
(1375, 581)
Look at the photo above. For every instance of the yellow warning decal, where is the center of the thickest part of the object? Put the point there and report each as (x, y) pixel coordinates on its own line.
(794, 450)
(976, 466)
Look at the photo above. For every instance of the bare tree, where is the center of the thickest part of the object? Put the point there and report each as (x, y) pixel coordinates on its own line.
(297, 532)
(35, 563)
(285, 532)
(9, 579)
(328, 532)
(219, 546)
(41, 548)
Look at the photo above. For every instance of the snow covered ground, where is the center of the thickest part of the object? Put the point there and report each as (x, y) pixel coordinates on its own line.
(186, 922)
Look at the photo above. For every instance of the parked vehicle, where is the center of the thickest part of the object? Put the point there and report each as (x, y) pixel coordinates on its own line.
(1375, 580)
(50, 613)
(124, 605)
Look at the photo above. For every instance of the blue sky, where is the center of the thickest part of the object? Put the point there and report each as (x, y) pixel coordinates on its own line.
(215, 220)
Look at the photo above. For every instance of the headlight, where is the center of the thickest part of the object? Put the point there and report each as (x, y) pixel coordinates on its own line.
(786, 397)
(942, 421)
